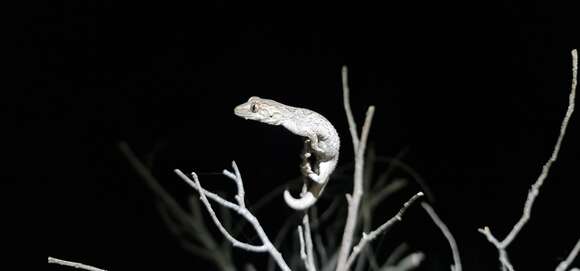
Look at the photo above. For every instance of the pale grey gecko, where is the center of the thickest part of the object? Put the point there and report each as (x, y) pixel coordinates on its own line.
(321, 139)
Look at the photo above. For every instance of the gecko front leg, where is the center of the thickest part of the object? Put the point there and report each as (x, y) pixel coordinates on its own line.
(306, 167)
(315, 144)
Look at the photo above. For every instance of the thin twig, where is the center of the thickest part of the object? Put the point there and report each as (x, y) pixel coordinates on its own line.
(73, 264)
(366, 238)
(302, 247)
(535, 190)
(309, 245)
(563, 266)
(354, 200)
(202, 195)
(215, 197)
(366, 209)
(346, 102)
(241, 210)
(236, 177)
(456, 259)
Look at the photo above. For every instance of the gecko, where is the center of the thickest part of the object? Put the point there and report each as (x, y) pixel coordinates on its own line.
(321, 143)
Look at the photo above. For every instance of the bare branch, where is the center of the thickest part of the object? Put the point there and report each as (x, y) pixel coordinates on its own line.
(241, 210)
(213, 196)
(240, 197)
(303, 247)
(346, 101)
(238, 209)
(354, 200)
(447, 233)
(73, 264)
(366, 238)
(546, 168)
(563, 266)
(535, 190)
(309, 245)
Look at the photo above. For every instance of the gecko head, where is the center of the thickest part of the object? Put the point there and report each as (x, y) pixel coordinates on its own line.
(262, 110)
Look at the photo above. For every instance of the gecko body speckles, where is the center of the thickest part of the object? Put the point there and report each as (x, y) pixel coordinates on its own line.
(321, 143)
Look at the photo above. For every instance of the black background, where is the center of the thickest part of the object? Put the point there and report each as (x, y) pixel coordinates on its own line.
(474, 92)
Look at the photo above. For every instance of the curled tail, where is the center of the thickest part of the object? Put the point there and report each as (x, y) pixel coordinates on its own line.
(315, 189)
(308, 199)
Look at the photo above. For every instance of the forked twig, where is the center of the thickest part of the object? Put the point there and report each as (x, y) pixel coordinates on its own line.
(368, 237)
(535, 190)
(238, 208)
(355, 198)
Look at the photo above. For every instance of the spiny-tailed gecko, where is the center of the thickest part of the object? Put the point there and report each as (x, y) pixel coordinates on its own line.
(321, 139)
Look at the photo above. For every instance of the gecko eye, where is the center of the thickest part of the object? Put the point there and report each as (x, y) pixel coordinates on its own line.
(253, 108)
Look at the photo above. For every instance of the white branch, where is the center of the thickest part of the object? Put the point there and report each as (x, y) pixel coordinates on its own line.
(236, 243)
(241, 210)
(503, 257)
(354, 200)
(308, 239)
(73, 264)
(535, 190)
(447, 233)
(359, 148)
(212, 196)
(303, 255)
(366, 238)
(237, 177)
(563, 266)
(306, 245)
(346, 102)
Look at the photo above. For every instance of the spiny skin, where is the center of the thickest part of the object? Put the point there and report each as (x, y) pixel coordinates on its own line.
(321, 139)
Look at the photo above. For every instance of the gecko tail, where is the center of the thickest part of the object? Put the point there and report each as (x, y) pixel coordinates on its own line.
(302, 203)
